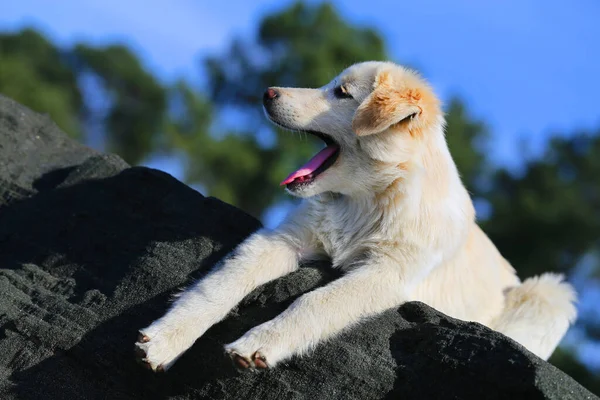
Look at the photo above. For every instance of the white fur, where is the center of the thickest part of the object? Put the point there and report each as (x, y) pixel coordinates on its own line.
(391, 212)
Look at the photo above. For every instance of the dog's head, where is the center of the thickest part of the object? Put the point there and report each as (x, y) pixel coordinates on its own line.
(374, 117)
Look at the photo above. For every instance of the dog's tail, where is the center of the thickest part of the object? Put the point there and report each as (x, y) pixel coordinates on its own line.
(538, 312)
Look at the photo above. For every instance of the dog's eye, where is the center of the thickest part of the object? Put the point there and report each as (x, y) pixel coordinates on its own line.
(341, 93)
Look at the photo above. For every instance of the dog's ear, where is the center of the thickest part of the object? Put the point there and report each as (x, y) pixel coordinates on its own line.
(385, 106)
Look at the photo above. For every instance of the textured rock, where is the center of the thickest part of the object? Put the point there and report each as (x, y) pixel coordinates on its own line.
(91, 250)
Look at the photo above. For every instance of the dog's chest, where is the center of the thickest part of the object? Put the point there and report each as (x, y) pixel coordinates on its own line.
(346, 233)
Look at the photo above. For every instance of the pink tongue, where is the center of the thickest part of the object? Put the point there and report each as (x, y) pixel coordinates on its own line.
(311, 165)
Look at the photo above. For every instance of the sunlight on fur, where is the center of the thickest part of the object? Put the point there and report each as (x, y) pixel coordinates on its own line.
(384, 202)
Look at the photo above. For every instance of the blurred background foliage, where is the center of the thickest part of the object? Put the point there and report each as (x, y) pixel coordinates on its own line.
(546, 217)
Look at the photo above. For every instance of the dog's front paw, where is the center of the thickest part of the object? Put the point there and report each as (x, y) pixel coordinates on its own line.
(159, 349)
(255, 361)
(257, 349)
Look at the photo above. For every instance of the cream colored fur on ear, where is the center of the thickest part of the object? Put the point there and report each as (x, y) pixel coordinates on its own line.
(384, 107)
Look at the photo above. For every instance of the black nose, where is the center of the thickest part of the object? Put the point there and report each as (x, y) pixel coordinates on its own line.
(269, 95)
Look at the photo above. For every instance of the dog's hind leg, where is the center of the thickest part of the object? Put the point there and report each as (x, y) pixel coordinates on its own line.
(537, 313)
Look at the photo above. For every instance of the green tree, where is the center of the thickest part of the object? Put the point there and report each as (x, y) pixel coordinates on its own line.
(36, 73)
(137, 102)
(466, 139)
(547, 218)
(47, 79)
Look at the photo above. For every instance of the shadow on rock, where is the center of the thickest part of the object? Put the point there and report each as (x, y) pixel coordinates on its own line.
(97, 231)
(469, 359)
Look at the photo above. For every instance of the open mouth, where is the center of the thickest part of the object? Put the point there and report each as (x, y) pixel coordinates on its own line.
(316, 165)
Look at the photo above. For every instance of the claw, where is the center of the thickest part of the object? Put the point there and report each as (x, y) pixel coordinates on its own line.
(240, 361)
(260, 361)
(139, 352)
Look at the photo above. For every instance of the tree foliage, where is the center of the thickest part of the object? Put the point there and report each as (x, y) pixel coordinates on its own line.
(548, 216)
(35, 72)
(137, 101)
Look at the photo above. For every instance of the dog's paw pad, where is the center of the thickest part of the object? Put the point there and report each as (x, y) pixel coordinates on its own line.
(259, 361)
(256, 361)
(140, 357)
(240, 361)
(144, 363)
(143, 338)
(141, 354)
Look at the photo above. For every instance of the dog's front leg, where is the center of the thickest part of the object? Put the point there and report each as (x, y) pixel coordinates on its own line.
(320, 314)
(261, 258)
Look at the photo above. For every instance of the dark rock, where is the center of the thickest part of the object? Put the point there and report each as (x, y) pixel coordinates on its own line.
(91, 250)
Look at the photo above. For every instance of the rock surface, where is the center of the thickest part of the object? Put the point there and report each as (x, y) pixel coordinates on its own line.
(91, 250)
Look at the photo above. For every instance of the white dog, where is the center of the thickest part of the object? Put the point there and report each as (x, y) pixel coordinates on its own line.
(385, 203)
